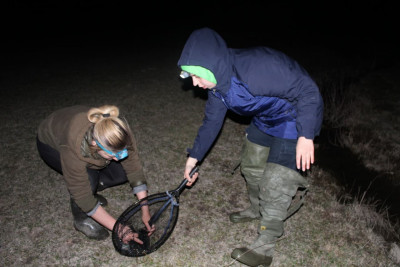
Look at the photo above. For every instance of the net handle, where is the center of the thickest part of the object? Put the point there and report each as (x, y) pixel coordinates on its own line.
(156, 215)
(175, 193)
(184, 182)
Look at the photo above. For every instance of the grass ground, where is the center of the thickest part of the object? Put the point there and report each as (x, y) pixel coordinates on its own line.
(35, 216)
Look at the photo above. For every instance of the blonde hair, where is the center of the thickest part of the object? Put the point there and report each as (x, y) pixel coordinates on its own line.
(109, 130)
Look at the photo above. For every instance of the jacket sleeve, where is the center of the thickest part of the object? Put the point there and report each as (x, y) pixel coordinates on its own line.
(133, 166)
(309, 110)
(215, 112)
(76, 178)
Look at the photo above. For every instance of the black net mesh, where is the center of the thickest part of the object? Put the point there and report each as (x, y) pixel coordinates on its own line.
(164, 210)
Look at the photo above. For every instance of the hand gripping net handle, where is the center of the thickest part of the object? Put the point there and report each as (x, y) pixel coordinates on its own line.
(184, 182)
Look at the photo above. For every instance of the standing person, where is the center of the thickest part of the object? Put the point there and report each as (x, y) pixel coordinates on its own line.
(286, 109)
(93, 149)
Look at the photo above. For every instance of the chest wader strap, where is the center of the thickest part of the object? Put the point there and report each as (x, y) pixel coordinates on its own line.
(297, 202)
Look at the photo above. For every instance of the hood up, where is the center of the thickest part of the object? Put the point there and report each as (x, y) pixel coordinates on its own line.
(207, 49)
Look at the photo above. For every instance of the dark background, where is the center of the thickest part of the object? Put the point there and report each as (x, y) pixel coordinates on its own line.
(366, 27)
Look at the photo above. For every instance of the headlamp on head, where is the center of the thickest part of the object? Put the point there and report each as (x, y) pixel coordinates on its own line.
(199, 71)
(184, 74)
(119, 155)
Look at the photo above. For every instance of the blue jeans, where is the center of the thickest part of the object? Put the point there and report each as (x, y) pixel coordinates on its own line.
(282, 151)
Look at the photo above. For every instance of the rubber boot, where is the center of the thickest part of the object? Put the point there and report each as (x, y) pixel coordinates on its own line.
(251, 258)
(86, 224)
(253, 162)
(260, 252)
(276, 192)
(102, 200)
(251, 213)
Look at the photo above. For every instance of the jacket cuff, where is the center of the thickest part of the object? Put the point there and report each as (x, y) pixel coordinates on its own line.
(139, 188)
(93, 211)
(136, 179)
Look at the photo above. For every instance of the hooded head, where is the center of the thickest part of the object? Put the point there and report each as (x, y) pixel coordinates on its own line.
(199, 71)
(206, 55)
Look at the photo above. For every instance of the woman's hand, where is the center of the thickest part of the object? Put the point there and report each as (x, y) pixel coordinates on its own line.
(146, 213)
(146, 218)
(126, 234)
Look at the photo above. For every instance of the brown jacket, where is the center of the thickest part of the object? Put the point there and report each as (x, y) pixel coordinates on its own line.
(64, 130)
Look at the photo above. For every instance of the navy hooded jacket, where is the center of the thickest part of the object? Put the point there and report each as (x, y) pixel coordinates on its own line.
(260, 82)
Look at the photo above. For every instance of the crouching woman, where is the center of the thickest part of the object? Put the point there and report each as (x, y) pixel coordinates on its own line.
(93, 149)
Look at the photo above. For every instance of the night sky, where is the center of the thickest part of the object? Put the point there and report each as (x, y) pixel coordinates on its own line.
(346, 25)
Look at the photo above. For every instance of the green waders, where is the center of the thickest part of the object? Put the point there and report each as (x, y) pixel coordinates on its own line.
(253, 162)
(277, 190)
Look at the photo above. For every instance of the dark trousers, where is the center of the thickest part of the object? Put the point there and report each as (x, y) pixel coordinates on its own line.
(109, 176)
(282, 151)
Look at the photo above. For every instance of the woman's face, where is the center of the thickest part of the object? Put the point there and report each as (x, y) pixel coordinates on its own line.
(200, 82)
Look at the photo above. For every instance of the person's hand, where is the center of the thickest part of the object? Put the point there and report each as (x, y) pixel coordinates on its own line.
(146, 218)
(190, 164)
(304, 153)
(126, 234)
